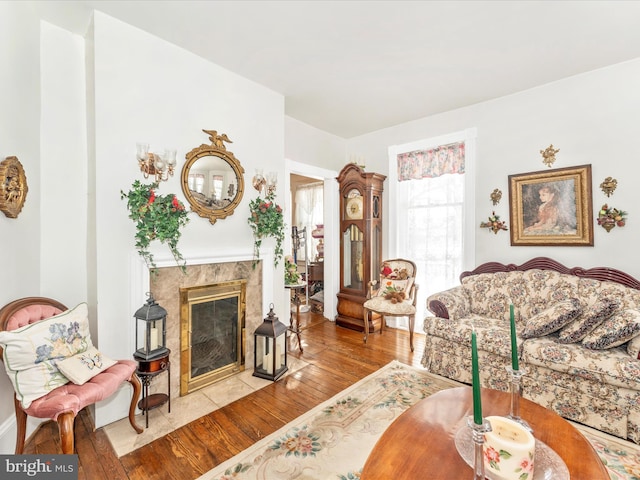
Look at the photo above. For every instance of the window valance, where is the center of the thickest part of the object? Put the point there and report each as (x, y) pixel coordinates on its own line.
(431, 163)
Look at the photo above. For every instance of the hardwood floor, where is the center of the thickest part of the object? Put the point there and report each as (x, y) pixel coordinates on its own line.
(337, 358)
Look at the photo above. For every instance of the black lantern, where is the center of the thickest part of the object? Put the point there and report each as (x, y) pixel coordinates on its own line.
(151, 330)
(270, 348)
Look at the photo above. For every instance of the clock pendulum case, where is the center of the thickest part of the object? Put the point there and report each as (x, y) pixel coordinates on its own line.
(360, 243)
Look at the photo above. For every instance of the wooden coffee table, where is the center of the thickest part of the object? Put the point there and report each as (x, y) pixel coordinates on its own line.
(420, 442)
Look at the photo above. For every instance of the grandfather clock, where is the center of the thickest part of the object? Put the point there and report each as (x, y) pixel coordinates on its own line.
(360, 243)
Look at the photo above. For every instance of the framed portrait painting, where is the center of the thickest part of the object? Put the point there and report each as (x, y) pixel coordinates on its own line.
(551, 207)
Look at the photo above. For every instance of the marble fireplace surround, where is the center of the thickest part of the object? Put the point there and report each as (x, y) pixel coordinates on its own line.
(165, 286)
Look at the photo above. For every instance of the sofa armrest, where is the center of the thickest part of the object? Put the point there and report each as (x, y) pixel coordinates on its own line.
(453, 303)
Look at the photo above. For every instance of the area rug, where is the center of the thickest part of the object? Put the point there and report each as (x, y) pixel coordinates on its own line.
(333, 440)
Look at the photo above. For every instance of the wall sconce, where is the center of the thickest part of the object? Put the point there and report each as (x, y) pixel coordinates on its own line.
(268, 183)
(160, 166)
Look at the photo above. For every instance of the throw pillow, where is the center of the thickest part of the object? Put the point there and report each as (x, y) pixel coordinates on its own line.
(388, 285)
(82, 367)
(552, 319)
(32, 352)
(590, 319)
(614, 331)
(633, 347)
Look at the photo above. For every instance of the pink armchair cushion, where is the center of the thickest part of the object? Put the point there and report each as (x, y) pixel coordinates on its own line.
(31, 314)
(71, 397)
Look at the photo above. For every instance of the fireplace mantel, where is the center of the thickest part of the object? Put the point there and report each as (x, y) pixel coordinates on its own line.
(140, 281)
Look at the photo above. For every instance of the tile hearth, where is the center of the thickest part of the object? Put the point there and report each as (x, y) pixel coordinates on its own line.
(187, 409)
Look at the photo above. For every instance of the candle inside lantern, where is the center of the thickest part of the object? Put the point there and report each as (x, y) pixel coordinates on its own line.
(514, 341)
(475, 376)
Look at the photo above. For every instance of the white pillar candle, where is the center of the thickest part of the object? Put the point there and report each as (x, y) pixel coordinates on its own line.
(268, 359)
(508, 449)
(153, 340)
(278, 356)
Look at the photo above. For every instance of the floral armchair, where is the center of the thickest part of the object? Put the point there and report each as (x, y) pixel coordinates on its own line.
(395, 296)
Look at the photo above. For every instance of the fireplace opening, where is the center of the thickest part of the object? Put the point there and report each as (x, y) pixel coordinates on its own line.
(212, 333)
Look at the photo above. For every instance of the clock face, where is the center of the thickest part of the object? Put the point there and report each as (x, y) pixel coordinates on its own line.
(354, 208)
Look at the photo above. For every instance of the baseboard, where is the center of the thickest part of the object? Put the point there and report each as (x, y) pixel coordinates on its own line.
(8, 430)
(8, 436)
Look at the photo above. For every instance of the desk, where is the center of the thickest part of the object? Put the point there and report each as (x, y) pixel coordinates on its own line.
(147, 370)
(420, 442)
(295, 299)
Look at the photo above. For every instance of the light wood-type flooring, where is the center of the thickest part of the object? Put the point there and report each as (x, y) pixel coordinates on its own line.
(336, 357)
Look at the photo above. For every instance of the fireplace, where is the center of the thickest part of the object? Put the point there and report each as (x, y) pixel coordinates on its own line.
(167, 280)
(212, 333)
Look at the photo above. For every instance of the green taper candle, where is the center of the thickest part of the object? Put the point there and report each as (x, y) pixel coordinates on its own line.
(477, 401)
(514, 341)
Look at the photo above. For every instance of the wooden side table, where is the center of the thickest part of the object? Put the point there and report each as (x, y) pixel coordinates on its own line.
(147, 370)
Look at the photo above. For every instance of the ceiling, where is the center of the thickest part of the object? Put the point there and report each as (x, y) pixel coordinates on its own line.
(353, 67)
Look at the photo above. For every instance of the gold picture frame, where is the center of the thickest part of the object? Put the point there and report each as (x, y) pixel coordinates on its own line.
(551, 207)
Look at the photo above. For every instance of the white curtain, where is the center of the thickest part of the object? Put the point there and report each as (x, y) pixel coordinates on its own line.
(309, 213)
(430, 212)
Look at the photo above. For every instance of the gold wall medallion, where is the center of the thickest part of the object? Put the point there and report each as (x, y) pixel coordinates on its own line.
(13, 187)
(495, 196)
(608, 186)
(549, 155)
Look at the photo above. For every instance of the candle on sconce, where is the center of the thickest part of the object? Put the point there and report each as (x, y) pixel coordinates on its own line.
(514, 341)
(475, 374)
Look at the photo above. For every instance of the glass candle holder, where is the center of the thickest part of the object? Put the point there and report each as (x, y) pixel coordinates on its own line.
(516, 393)
(477, 434)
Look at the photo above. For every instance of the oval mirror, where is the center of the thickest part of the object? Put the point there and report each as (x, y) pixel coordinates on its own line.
(212, 178)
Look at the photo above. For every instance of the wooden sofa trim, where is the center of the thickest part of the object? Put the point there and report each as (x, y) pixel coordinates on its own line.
(603, 274)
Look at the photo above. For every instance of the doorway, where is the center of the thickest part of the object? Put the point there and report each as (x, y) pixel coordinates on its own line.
(328, 267)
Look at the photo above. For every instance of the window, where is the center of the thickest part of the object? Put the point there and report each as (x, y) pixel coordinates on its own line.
(431, 222)
(196, 182)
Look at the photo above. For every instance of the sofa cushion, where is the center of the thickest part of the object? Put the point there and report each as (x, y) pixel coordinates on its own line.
(492, 335)
(608, 367)
(552, 319)
(84, 366)
(590, 318)
(616, 330)
(31, 352)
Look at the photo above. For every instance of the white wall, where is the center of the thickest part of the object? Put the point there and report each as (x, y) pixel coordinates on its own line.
(19, 136)
(592, 118)
(149, 90)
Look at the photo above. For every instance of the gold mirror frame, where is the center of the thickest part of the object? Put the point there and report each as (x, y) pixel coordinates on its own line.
(202, 205)
(13, 187)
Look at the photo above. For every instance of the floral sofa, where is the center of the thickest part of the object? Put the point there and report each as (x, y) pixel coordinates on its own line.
(577, 333)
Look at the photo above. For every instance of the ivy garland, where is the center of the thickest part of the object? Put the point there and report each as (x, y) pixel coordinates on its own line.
(157, 217)
(266, 220)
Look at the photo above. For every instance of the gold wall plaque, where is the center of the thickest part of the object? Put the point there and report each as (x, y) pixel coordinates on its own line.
(13, 187)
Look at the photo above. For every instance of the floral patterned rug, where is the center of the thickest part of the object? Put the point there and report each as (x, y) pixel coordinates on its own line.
(333, 440)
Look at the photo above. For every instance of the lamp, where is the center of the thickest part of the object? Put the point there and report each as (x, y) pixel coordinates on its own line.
(270, 348)
(160, 166)
(265, 185)
(151, 330)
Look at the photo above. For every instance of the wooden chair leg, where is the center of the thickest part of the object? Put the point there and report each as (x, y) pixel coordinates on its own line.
(412, 320)
(366, 324)
(21, 422)
(135, 383)
(382, 323)
(65, 426)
